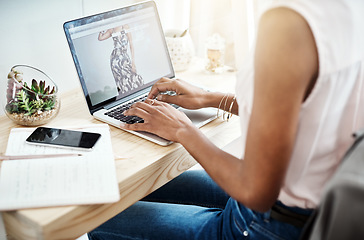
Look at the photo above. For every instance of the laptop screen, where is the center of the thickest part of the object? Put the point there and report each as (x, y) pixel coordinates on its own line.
(118, 53)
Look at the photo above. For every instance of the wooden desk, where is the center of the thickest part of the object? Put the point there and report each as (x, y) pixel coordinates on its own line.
(148, 167)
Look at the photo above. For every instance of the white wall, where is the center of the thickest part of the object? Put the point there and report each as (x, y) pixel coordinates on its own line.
(173, 13)
(31, 33)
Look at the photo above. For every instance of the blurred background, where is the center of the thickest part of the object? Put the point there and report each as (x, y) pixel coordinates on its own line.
(32, 33)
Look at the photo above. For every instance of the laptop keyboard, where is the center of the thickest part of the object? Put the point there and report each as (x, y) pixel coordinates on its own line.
(117, 113)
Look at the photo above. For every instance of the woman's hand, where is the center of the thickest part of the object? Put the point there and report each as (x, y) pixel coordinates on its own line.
(187, 95)
(159, 118)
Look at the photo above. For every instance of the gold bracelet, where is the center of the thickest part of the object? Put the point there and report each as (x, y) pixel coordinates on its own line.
(223, 115)
(222, 99)
(230, 108)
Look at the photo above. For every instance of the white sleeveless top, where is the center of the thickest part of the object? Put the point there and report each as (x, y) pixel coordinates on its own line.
(335, 107)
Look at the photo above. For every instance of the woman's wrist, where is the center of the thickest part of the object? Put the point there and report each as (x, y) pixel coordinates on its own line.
(212, 99)
(225, 103)
(187, 134)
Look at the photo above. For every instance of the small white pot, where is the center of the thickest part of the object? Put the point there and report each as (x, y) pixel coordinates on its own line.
(180, 49)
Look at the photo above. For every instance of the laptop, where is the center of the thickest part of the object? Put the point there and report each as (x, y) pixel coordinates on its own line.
(118, 56)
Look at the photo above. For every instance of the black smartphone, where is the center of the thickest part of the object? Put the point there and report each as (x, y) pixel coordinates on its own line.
(63, 138)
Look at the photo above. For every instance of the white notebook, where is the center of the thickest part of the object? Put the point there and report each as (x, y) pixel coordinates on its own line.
(87, 179)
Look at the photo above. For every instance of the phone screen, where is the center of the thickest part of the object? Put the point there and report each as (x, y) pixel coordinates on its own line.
(63, 138)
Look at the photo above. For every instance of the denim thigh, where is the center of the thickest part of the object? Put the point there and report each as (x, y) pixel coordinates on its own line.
(192, 206)
(194, 187)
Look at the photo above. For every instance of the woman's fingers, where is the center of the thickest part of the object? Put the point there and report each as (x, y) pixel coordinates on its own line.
(162, 85)
(186, 95)
(141, 109)
(159, 118)
(137, 127)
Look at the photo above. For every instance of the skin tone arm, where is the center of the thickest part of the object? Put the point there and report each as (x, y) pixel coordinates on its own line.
(286, 68)
(189, 96)
(105, 35)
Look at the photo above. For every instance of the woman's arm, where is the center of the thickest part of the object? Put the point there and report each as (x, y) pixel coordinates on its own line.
(105, 35)
(286, 66)
(191, 97)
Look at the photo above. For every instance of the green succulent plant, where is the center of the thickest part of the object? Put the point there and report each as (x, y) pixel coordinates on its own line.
(29, 99)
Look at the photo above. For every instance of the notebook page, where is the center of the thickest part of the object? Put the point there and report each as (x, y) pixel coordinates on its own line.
(86, 179)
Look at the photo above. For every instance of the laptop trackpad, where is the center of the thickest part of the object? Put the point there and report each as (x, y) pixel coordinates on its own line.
(200, 117)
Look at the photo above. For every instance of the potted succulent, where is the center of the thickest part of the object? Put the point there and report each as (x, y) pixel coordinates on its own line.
(31, 97)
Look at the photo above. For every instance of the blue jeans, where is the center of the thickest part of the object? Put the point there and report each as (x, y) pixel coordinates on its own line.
(189, 207)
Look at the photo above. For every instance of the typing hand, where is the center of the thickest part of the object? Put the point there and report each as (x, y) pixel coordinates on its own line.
(160, 118)
(186, 95)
